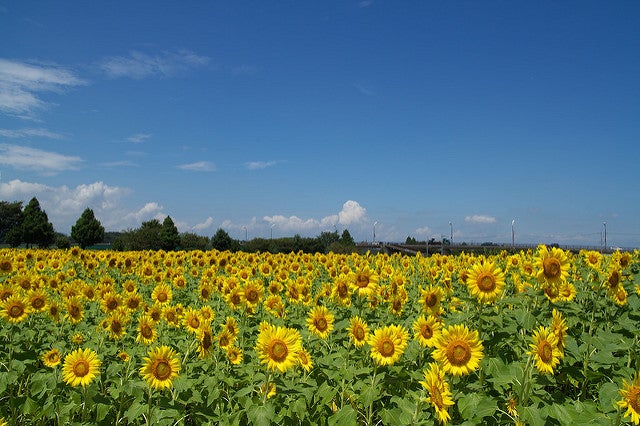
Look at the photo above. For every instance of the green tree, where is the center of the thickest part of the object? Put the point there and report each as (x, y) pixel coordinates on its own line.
(87, 230)
(147, 237)
(36, 228)
(169, 236)
(10, 218)
(222, 241)
(191, 241)
(346, 239)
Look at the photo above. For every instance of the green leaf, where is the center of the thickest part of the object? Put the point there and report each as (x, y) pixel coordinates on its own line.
(475, 405)
(135, 411)
(101, 411)
(260, 415)
(368, 395)
(560, 413)
(533, 416)
(299, 408)
(346, 416)
(608, 395)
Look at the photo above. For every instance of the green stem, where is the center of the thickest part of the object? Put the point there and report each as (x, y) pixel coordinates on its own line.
(149, 407)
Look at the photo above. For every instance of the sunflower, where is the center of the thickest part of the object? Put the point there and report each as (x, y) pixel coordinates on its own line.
(619, 296)
(559, 328)
(231, 325)
(341, 292)
(5, 265)
(275, 306)
(191, 320)
(110, 301)
(304, 358)
(358, 331)
(545, 350)
(253, 292)
(430, 299)
(124, 356)
(458, 350)
(160, 367)
(234, 355)
(630, 394)
(75, 310)
(388, 344)
(38, 300)
(553, 265)
(225, 338)
(147, 332)
(365, 281)
(51, 358)
(15, 309)
(427, 330)
(115, 325)
(486, 281)
(81, 367)
(162, 294)
(440, 397)
(278, 347)
(320, 321)
(205, 341)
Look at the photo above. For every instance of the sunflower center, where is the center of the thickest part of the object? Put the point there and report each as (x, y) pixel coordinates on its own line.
(112, 304)
(251, 295)
(116, 327)
(634, 398)
(162, 370)
(362, 280)
(146, 331)
(74, 311)
(486, 283)
(278, 351)
(545, 352)
(162, 297)
(81, 368)
(343, 290)
(358, 333)
(614, 279)
(194, 322)
(458, 353)
(321, 324)
(224, 341)
(16, 311)
(431, 300)
(206, 341)
(386, 348)
(551, 267)
(436, 397)
(37, 303)
(426, 331)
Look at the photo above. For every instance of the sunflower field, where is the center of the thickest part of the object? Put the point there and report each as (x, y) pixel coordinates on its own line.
(540, 337)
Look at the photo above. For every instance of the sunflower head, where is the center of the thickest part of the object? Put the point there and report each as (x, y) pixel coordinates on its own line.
(545, 350)
(486, 282)
(320, 321)
(630, 394)
(459, 350)
(81, 367)
(388, 344)
(358, 331)
(278, 347)
(160, 367)
(51, 358)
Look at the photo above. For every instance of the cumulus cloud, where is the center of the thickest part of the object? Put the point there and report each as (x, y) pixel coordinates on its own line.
(25, 158)
(424, 231)
(140, 65)
(204, 225)
(257, 165)
(352, 212)
(22, 83)
(26, 133)
(480, 219)
(150, 211)
(200, 166)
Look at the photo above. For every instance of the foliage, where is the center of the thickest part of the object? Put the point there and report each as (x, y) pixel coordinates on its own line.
(169, 236)
(222, 241)
(36, 228)
(87, 231)
(10, 219)
(113, 292)
(191, 241)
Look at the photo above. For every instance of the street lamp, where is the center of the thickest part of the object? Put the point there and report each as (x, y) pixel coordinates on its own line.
(272, 225)
(245, 233)
(605, 234)
(374, 231)
(512, 233)
(451, 239)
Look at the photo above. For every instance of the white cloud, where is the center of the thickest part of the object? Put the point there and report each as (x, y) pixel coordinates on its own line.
(139, 65)
(204, 225)
(25, 133)
(123, 163)
(25, 158)
(480, 219)
(200, 166)
(149, 211)
(424, 231)
(139, 137)
(257, 165)
(21, 191)
(21, 84)
(292, 223)
(352, 213)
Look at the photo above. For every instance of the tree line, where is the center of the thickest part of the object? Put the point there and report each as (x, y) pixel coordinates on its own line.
(30, 226)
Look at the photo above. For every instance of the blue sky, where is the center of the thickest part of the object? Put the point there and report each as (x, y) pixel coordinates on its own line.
(290, 117)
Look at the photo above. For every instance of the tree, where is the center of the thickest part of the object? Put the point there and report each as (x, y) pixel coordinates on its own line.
(169, 236)
(36, 228)
(221, 240)
(346, 239)
(147, 237)
(191, 241)
(87, 230)
(10, 217)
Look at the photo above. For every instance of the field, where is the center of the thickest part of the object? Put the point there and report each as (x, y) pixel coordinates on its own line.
(102, 337)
